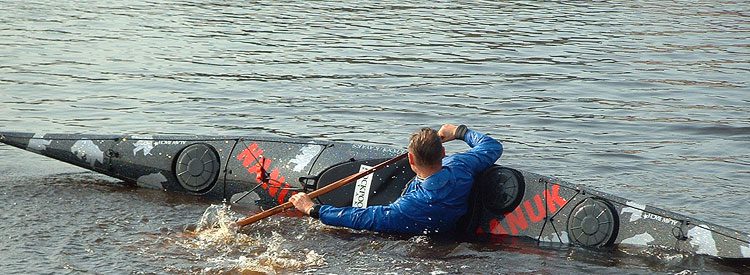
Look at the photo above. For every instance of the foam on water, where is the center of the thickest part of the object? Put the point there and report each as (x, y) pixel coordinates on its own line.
(225, 249)
(274, 259)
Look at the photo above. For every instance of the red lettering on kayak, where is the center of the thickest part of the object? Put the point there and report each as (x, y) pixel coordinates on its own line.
(539, 214)
(249, 155)
(284, 187)
(518, 220)
(496, 228)
(554, 198)
(257, 164)
(275, 182)
(256, 169)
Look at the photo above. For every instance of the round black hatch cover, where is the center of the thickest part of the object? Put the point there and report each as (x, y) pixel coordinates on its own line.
(197, 167)
(593, 223)
(501, 189)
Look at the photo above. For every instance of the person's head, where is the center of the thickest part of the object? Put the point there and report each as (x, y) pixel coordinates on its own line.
(426, 149)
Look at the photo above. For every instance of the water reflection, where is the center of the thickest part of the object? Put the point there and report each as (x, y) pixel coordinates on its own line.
(643, 100)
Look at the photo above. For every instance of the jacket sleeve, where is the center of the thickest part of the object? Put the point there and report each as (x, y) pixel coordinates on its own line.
(381, 218)
(484, 152)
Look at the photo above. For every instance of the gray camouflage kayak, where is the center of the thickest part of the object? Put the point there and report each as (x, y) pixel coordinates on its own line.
(265, 171)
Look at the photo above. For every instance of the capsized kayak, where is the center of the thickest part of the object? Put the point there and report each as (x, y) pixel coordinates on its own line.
(266, 171)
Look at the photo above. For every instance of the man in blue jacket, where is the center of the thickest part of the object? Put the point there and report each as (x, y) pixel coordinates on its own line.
(432, 202)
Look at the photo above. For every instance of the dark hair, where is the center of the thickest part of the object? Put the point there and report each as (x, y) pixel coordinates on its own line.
(426, 147)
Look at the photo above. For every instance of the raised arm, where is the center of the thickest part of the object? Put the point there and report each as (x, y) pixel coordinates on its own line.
(484, 151)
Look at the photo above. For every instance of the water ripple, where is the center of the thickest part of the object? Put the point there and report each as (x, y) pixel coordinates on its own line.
(644, 100)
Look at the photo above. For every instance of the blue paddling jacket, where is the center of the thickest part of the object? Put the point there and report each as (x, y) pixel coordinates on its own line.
(428, 206)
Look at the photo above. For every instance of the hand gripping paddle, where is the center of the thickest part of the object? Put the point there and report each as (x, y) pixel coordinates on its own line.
(319, 192)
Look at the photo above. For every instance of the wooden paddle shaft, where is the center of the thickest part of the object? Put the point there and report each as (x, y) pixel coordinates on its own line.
(319, 192)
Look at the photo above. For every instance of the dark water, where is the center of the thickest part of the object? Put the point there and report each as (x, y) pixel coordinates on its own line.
(648, 101)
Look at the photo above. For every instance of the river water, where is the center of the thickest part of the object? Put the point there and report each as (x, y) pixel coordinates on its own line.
(643, 99)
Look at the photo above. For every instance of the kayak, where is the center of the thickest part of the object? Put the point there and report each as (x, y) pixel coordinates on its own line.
(266, 171)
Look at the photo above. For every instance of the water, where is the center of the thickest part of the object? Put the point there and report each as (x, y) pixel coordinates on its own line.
(643, 100)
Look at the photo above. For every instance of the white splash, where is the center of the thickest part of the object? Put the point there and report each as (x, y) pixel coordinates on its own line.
(635, 209)
(235, 252)
(703, 239)
(216, 216)
(305, 156)
(274, 260)
(38, 143)
(154, 181)
(421, 239)
(145, 144)
(640, 239)
(745, 250)
(88, 151)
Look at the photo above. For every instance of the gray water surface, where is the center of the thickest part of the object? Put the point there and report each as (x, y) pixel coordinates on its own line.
(645, 100)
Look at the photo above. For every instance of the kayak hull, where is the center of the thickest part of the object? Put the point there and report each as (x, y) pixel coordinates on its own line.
(267, 171)
(554, 211)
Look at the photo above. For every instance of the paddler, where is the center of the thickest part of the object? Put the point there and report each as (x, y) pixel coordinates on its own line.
(434, 200)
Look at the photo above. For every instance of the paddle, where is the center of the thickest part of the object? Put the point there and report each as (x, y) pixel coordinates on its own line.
(319, 192)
